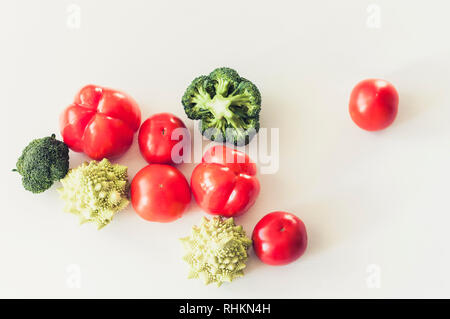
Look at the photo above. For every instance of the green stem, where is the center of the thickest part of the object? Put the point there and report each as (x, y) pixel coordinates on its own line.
(239, 99)
(222, 86)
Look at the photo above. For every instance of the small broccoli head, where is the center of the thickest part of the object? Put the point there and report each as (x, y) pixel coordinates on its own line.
(196, 95)
(247, 99)
(214, 130)
(225, 80)
(43, 162)
(227, 105)
(243, 136)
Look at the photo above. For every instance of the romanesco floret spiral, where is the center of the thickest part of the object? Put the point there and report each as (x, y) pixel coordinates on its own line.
(95, 191)
(216, 251)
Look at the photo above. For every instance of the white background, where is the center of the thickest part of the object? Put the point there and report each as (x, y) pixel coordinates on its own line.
(375, 204)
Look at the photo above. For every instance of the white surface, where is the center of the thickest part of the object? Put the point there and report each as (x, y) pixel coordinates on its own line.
(366, 198)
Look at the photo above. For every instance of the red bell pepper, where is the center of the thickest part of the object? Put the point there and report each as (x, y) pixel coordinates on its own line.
(225, 183)
(101, 122)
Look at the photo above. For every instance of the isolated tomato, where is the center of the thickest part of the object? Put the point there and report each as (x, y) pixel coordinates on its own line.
(101, 122)
(160, 193)
(156, 140)
(279, 238)
(373, 104)
(225, 183)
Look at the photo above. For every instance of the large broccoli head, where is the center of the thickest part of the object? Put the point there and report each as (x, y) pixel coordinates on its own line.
(227, 105)
(95, 191)
(43, 162)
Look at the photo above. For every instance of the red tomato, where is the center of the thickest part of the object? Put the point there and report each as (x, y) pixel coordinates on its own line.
(225, 183)
(373, 104)
(279, 238)
(101, 122)
(155, 138)
(160, 193)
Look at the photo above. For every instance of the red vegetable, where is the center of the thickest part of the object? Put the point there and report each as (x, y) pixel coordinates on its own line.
(155, 138)
(279, 238)
(160, 193)
(225, 183)
(373, 104)
(101, 122)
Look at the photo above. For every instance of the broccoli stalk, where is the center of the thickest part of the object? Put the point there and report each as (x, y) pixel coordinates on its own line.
(43, 162)
(227, 105)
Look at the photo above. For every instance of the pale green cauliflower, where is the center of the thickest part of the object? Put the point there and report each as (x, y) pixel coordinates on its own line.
(216, 251)
(95, 191)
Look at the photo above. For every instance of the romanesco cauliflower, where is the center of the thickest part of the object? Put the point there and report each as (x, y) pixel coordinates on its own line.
(95, 191)
(216, 251)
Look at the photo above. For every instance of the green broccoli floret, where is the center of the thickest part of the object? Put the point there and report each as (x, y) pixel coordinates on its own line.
(43, 162)
(96, 191)
(227, 105)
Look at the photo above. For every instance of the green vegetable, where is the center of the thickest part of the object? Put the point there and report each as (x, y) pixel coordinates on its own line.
(95, 191)
(43, 162)
(227, 105)
(216, 251)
